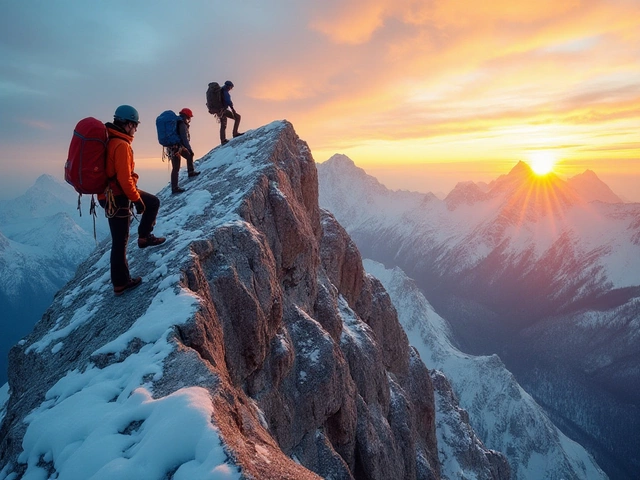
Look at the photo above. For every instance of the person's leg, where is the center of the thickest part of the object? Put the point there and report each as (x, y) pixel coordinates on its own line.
(236, 124)
(189, 158)
(119, 226)
(174, 157)
(148, 220)
(223, 126)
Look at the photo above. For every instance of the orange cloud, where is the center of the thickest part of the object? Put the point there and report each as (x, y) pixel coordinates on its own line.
(350, 22)
(459, 80)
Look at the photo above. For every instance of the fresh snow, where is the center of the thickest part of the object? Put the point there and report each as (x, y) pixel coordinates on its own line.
(117, 425)
(352, 327)
(118, 433)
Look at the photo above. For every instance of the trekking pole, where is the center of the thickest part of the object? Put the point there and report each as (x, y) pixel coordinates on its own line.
(92, 212)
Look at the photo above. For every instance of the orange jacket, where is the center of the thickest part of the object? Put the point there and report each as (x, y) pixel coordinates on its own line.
(120, 164)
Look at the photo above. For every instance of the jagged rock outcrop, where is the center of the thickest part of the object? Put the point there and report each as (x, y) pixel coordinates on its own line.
(469, 456)
(255, 318)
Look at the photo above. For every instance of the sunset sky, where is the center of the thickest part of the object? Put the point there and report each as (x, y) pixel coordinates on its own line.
(421, 94)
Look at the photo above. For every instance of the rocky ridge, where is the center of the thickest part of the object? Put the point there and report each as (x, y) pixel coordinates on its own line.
(256, 315)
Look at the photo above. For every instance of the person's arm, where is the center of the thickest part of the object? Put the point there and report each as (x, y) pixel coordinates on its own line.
(123, 161)
(226, 96)
(184, 138)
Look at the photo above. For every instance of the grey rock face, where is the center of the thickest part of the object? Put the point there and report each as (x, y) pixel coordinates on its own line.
(300, 353)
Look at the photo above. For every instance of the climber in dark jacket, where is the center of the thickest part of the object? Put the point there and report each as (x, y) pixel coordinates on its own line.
(228, 112)
(183, 149)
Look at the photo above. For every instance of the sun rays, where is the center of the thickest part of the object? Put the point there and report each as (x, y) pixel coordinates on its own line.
(542, 162)
(540, 202)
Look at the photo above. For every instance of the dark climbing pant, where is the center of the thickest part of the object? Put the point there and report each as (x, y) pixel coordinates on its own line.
(119, 227)
(175, 154)
(223, 123)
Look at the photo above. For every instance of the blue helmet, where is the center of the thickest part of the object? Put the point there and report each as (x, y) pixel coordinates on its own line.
(126, 113)
(228, 83)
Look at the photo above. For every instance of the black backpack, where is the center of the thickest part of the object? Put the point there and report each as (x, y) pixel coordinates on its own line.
(214, 98)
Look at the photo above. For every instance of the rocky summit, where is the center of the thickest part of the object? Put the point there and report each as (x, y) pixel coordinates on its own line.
(256, 347)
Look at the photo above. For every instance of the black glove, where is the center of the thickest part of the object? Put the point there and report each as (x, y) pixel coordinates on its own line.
(139, 206)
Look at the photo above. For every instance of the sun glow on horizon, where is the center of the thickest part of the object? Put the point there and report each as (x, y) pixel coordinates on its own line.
(542, 162)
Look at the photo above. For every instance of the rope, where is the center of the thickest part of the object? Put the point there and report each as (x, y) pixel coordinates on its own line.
(110, 207)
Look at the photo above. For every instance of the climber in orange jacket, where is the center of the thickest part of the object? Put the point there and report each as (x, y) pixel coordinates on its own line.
(122, 195)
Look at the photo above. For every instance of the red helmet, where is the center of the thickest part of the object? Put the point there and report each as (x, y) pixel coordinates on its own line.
(186, 112)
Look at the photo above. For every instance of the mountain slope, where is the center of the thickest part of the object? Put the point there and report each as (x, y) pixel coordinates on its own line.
(40, 258)
(503, 414)
(591, 188)
(256, 347)
(44, 241)
(511, 266)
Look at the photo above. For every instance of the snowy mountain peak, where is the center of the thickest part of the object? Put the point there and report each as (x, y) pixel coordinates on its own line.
(519, 171)
(591, 188)
(520, 176)
(521, 168)
(527, 197)
(48, 189)
(466, 193)
(342, 161)
(341, 165)
(46, 197)
(47, 183)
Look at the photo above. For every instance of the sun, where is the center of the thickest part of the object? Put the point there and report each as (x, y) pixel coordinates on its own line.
(542, 162)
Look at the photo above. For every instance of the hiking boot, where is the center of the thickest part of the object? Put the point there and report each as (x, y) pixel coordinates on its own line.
(237, 134)
(150, 241)
(131, 284)
(178, 190)
(193, 174)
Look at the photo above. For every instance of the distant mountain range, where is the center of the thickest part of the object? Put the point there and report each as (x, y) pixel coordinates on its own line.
(42, 241)
(543, 271)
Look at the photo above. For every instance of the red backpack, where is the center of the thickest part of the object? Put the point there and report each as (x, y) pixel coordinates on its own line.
(86, 165)
(85, 169)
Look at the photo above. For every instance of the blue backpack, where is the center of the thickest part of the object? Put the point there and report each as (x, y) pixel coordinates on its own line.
(167, 126)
